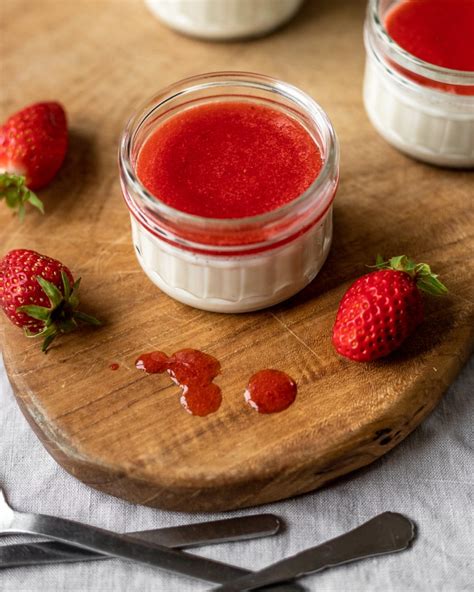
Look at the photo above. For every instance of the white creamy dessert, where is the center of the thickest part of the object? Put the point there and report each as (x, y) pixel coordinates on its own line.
(224, 19)
(232, 264)
(412, 104)
(234, 284)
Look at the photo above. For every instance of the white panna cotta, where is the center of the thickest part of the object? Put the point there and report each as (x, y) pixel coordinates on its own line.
(424, 110)
(233, 284)
(224, 19)
(230, 201)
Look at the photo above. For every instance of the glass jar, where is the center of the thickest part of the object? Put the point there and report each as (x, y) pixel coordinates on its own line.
(238, 264)
(423, 110)
(224, 19)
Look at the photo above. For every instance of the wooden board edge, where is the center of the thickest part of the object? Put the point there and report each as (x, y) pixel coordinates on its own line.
(271, 488)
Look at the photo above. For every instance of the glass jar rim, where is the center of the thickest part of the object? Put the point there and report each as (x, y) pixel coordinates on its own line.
(409, 61)
(228, 79)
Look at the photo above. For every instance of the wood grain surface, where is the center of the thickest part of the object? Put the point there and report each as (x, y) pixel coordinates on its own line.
(125, 433)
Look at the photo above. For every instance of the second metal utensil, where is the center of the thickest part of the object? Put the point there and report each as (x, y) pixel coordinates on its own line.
(386, 533)
(186, 536)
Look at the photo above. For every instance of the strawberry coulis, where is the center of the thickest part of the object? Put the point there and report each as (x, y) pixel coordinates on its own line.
(440, 32)
(193, 371)
(228, 160)
(270, 391)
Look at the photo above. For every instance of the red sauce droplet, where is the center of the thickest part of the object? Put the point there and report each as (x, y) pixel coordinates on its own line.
(193, 371)
(153, 363)
(270, 391)
(191, 366)
(201, 399)
(114, 366)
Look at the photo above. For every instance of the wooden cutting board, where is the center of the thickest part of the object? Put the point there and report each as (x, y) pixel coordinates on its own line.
(124, 432)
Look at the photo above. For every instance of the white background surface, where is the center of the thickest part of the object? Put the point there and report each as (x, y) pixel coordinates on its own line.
(428, 477)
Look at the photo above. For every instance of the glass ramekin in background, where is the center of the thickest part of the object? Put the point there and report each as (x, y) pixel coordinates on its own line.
(423, 110)
(239, 264)
(224, 19)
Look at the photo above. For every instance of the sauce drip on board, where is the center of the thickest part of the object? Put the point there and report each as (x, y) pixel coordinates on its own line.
(440, 32)
(270, 391)
(193, 371)
(228, 160)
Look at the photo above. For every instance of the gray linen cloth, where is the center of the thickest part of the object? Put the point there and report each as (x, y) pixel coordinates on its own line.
(428, 478)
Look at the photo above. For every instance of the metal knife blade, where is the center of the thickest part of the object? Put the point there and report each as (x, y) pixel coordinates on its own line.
(126, 547)
(386, 533)
(186, 536)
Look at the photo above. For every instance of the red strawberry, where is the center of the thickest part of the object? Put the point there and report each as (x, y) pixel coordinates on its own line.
(33, 144)
(39, 294)
(381, 309)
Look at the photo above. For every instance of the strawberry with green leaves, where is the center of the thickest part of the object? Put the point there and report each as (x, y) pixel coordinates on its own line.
(39, 294)
(381, 309)
(33, 145)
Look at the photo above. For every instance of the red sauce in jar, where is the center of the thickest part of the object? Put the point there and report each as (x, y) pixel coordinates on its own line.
(440, 32)
(228, 160)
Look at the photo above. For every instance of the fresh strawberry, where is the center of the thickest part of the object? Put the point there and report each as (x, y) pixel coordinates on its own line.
(381, 309)
(39, 294)
(33, 144)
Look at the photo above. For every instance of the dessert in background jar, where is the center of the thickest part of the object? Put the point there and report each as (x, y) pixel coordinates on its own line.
(224, 19)
(419, 78)
(230, 179)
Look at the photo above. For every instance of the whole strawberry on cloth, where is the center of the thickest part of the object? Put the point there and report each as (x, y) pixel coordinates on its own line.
(39, 295)
(381, 309)
(33, 145)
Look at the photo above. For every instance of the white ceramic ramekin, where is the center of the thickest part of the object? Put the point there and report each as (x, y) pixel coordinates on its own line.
(423, 110)
(239, 264)
(224, 19)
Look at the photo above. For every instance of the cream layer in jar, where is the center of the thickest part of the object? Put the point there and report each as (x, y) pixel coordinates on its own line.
(230, 180)
(224, 19)
(419, 77)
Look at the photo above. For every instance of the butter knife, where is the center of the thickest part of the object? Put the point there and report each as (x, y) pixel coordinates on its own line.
(183, 537)
(386, 533)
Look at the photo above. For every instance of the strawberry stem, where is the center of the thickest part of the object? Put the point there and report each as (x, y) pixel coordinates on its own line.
(16, 194)
(85, 318)
(62, 316)
(426, 280)
(66, 284)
